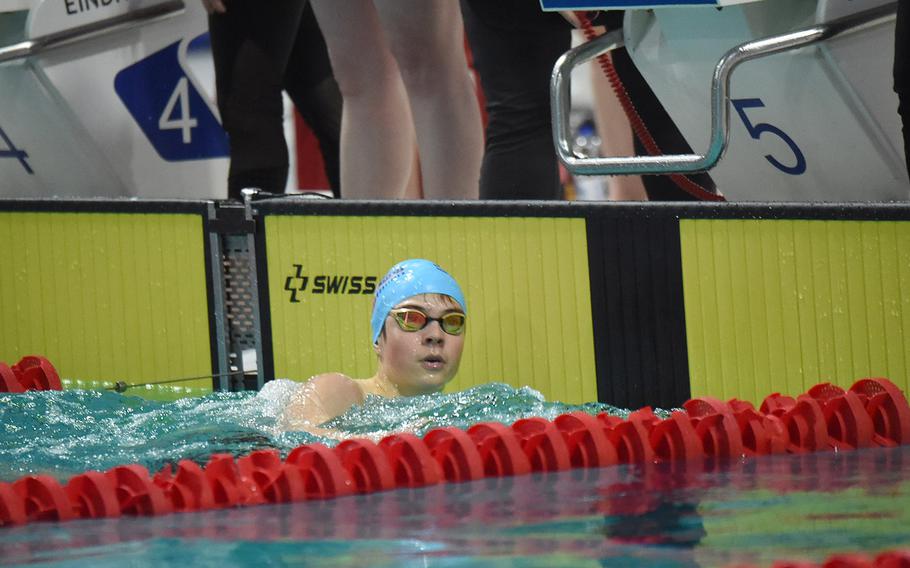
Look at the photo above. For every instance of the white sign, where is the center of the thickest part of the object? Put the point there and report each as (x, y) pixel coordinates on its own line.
(54, 16)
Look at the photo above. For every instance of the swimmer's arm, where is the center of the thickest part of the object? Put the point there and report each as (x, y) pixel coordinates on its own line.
(319, 400)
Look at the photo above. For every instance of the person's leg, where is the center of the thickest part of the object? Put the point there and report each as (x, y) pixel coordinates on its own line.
(427, 40)
(377, 134)
(616, 136)
(903, 110)
(902, 71)
(514, 47)
(309, 82)
(250, 47)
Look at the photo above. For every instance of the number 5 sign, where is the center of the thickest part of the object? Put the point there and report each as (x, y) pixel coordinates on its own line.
(798, 160)
(169, 109)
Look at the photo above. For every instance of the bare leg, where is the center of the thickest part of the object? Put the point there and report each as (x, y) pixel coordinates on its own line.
(414, 190)
(616, 134)
(427, 39)
(377, 134)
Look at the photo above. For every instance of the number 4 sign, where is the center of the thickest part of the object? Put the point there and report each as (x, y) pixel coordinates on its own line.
(169, 109)
(8, 150)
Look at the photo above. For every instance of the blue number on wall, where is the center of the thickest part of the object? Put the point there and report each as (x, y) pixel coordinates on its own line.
(10, 151)
(168, 108)
(756, 130)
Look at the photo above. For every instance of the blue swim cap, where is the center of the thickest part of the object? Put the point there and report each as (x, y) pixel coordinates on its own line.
(410, 278)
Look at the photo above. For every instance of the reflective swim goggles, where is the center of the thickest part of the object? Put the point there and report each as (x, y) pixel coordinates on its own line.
(411, 319)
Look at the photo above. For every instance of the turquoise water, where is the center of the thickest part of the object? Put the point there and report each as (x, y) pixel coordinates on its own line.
(66, 433)
(667, 515)
(757, 512)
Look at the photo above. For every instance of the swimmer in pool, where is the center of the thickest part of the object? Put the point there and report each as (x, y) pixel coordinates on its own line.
(418, 326)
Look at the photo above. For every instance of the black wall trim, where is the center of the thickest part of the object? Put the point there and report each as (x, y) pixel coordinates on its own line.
(105, 206)
(898, 211)
(210, 300)
(265, 314)
(638, 312)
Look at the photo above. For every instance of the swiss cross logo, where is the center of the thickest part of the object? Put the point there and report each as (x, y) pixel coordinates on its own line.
(298, 283)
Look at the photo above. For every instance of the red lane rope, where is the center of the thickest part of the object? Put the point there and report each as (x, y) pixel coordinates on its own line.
(873, 412)
(638, 125)
(899, 558)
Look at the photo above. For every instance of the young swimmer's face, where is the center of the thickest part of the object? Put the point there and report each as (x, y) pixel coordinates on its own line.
(422, 361)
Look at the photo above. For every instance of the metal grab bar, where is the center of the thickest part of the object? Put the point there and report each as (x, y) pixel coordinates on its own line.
(720, 86)
(122, 22)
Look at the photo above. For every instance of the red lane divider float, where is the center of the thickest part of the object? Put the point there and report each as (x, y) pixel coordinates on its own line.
(888, 559)
(874, 412)
(412, 463)
(586, 440)
(323, 474)
(456, 454)
(32, 372)
(93, 496)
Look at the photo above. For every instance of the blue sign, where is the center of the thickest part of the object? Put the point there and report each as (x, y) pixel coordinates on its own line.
(169, 109)
(9, 150)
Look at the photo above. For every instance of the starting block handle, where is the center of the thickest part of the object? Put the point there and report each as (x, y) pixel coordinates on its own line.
(560, 100)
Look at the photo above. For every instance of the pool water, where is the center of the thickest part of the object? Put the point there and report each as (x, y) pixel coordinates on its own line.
(64, 433)
(680, 514)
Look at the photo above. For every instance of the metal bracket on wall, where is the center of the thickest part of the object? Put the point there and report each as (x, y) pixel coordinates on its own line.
(231, 229)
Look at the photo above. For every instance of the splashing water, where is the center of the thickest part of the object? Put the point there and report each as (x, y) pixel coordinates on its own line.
(69, 432)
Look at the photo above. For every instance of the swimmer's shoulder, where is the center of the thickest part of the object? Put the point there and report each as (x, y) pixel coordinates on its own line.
(336, 386)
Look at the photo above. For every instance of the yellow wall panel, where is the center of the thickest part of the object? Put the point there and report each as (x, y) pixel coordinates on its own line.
(525, 280)
(106, 296)
(780, 305)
